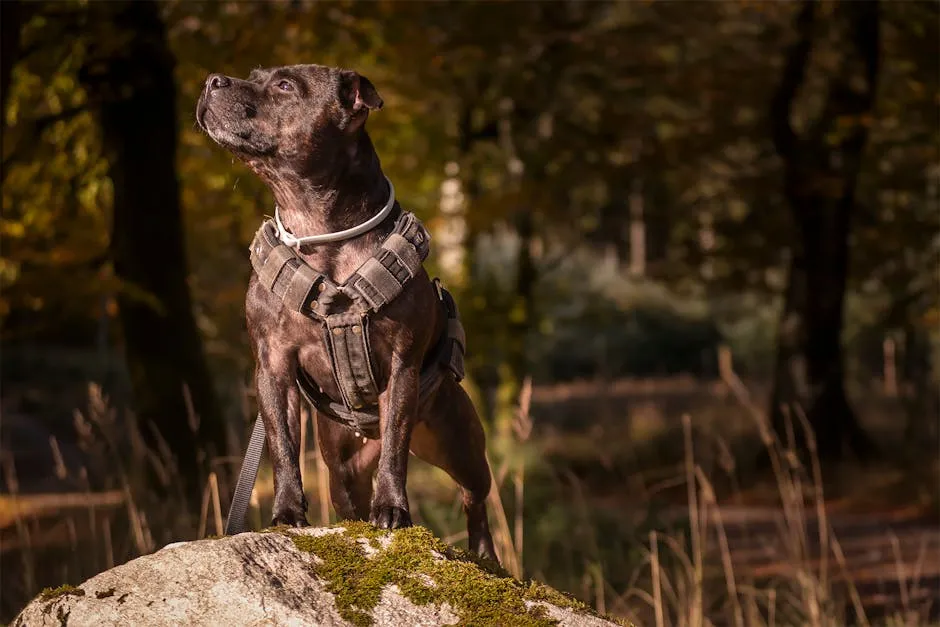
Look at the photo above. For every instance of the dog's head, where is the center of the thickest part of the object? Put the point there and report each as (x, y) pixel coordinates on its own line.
(299, 116)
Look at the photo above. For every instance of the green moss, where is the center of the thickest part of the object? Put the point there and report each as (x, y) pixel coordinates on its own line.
(536, 591)
(490, 566)
(49, 594)
(361, 529)
(277, 529)
(478, 591)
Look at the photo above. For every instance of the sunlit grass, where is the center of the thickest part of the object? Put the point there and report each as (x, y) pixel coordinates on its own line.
(623, 513)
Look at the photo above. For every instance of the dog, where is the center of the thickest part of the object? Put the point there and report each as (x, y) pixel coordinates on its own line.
(301, 129)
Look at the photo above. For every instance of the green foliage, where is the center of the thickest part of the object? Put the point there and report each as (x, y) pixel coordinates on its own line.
(591, 97)
(55, 195)
(597, 321)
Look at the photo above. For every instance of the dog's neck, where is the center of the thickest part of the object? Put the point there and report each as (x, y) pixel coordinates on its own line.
(349, 193)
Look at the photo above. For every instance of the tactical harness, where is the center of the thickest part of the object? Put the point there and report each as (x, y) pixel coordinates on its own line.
(344, 311)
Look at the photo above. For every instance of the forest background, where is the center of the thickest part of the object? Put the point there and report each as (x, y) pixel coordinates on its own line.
(695, 246)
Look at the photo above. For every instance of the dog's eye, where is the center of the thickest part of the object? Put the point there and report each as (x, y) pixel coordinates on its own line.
(285, 86)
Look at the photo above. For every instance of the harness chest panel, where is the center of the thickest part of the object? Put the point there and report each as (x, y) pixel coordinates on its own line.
(343, 312)
(348, 336)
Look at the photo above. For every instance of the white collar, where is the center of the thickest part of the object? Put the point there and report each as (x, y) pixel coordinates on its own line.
(291, 241)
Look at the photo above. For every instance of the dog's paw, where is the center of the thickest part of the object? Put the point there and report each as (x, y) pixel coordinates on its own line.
(482, 546)
(290, 507)
(289, 518)
(390, 517)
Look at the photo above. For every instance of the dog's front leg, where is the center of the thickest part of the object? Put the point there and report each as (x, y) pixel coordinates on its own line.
(279, 404)
(398, 407)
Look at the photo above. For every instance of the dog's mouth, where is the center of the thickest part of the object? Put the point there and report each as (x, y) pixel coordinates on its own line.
(236, 135)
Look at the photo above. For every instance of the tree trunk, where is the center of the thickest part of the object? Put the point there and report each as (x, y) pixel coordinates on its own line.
(790, 376)
(919, 397)
(821, 168)
(522, 317)
(11, 23)
(129, 77)
(515, 366)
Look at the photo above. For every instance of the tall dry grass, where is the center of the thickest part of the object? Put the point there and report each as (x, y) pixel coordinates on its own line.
(689, 590)
(685, 577)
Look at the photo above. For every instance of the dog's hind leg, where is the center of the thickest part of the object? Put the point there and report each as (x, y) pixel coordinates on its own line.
(451, 437)
(351, 463)
(279, 404)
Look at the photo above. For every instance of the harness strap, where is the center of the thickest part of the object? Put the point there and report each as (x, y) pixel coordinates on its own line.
(383, 277)
(282, 271)
(364, 421)
(406, 253)
(376, 284)
(456, 347)
(273, 265)
(299, 286)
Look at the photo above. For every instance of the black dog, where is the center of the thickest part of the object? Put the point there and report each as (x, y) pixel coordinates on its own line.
(302, 130)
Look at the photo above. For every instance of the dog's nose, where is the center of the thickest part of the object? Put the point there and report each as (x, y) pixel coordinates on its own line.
(217, 81)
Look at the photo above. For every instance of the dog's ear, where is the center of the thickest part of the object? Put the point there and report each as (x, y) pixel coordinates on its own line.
(358, 92)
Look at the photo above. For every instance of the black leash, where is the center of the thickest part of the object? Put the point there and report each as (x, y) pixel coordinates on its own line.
(238, 511)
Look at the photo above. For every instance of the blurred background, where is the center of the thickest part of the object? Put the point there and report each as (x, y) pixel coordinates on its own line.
(695, 246)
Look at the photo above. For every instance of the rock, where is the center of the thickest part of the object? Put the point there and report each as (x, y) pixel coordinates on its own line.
(350, 574)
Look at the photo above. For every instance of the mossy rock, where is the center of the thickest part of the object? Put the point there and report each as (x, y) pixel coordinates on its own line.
(348, 574)
(48, 594)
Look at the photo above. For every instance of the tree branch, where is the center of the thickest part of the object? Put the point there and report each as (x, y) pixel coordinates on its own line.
(794, 73)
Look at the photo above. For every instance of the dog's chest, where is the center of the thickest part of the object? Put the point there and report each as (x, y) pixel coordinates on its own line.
(339, 266)
(314, 359)
(277, 333)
